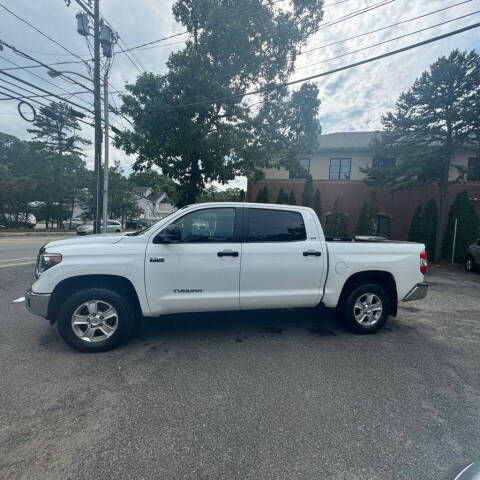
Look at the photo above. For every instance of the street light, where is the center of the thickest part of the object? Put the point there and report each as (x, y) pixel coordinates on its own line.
(57, 73)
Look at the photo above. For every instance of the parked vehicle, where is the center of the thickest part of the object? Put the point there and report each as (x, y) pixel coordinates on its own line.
(87, 227)
(18, 220)
(74, 222)
(472, 258)
(220, 256)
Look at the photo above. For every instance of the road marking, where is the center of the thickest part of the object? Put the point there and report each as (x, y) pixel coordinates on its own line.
(19, 300)
(16, 264)
(15, 259)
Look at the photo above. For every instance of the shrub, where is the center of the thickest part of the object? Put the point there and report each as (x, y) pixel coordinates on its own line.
(291, 198)
(467, 228)
(307, 196)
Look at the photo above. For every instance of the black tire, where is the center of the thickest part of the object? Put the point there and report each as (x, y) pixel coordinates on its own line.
(118, 230)
(124, 319)
(348, 310)
(470, 264)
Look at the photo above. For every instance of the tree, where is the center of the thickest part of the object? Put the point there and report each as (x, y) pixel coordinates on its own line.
(367, 218)
(424, 226)
(433, 119)
(193, 122)
(213, 194)
(307, 195)
(468, 228)
(416, 232)
(121, 202)
(262, 195)
(56, 127)
(63, 172)
(282, 197)
(317, 204)
(291, 198)
(430, 220)
(337, 222)
(157, 182)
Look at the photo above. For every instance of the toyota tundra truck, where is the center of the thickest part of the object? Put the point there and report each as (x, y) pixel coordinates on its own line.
(220, 257)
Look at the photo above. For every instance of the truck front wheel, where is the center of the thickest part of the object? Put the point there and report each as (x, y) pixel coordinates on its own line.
(94, 319)
(365, 308)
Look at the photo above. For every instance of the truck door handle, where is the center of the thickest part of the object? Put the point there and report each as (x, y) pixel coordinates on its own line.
(227, 253)
(312, 253)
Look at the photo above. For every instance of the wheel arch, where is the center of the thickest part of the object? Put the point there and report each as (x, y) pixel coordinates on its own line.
(381, 277)
(64, 288)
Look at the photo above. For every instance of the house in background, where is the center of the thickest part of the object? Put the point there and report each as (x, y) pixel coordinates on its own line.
(154, 205)
(335, 170)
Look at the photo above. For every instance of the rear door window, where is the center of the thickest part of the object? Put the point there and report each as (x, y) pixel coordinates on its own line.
(267, 225)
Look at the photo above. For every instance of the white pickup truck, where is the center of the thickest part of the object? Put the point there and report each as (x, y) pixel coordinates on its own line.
(220, 256)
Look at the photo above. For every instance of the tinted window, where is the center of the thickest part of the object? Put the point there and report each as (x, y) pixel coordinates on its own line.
(340, 168)
(275, 226)
(209, 225)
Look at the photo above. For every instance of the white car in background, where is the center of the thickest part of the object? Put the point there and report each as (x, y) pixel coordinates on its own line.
(113, 226)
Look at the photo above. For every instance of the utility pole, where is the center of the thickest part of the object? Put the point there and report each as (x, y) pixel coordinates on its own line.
(105, 167)
(104, 36)
(98, 114)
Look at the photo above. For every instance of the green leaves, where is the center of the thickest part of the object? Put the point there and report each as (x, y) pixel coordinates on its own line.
(233, 47)
(432, 120)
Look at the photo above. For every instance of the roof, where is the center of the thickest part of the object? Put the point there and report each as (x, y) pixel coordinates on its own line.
(156, 195)
(141, 189)
(347, 140)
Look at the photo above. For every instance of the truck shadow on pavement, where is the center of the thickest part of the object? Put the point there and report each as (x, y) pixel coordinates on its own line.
(240, 325)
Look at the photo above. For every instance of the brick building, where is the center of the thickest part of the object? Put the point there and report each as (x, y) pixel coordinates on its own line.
(335, 170)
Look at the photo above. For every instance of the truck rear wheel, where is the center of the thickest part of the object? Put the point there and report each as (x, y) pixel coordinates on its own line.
(94, 320)
(365, 308)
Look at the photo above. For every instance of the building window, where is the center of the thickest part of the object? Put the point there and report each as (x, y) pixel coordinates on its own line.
(340, 168)
(301, 170)
(379, 162)
(336, 225)
(473, 174)
(265, 225)
(383, 226)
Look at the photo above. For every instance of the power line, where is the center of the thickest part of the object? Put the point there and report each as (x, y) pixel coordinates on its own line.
(387, 41)
(44, 34)
(29, 57)
(45, 91)
(28, 67)
(43, 79)
(383, 28)
(353, 14)
(330, 72)
(29, 91)
(155, 41)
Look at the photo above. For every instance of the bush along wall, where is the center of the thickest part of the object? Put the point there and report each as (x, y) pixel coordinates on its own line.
(468, 228)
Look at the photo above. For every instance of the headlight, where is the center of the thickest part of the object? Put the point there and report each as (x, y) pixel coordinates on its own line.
(48, 260)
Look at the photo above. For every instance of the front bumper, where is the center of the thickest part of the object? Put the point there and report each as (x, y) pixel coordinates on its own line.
(417, 292)
(37, 303)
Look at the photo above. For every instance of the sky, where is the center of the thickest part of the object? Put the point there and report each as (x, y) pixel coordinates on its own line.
(352, 100)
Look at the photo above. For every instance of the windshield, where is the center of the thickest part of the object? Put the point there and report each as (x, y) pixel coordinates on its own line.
(153, 226)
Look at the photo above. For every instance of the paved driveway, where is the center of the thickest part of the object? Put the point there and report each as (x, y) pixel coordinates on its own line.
(262, 395)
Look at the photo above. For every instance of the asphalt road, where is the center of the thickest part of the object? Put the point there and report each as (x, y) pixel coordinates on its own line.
(22, 249)
(258, 395)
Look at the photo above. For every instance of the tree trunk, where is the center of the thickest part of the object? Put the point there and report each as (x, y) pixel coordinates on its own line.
(193, 183)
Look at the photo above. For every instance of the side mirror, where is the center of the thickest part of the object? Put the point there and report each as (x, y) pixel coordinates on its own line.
(170, 234)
